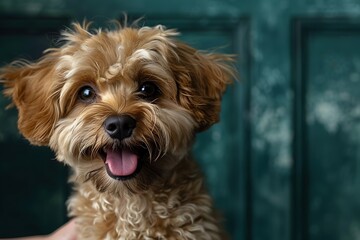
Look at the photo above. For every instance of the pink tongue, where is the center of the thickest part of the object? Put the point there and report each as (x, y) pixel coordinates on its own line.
(121, 162)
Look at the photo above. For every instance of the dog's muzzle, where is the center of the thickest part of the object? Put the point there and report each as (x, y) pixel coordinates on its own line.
(121, 163)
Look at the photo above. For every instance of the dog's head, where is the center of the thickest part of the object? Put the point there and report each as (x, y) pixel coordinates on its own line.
(121, 107)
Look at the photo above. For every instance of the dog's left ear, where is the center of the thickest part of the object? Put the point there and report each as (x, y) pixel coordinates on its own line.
(34, 90)
(202, 79)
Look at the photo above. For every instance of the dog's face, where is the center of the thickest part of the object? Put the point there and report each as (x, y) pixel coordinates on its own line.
(121, 107)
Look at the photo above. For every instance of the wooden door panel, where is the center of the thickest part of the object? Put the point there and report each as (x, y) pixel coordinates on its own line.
(333, 126)
(329, 125)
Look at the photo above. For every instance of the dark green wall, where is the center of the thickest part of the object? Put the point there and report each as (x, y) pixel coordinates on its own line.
(284, 161)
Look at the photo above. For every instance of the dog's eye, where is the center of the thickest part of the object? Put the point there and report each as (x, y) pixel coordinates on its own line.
(87, 94)
(149, 91)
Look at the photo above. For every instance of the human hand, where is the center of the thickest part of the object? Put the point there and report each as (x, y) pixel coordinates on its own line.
(66, 232)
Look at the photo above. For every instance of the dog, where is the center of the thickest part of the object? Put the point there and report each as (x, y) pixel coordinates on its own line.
(121, 106)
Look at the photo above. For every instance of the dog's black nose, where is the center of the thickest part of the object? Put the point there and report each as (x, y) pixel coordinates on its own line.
(119, 127)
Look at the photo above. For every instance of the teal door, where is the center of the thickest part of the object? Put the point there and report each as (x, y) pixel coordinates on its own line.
(283, 163)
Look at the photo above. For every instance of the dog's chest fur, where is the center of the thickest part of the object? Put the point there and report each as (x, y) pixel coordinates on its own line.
(181, 212)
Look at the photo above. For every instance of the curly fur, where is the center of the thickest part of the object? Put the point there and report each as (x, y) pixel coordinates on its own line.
(167, 198)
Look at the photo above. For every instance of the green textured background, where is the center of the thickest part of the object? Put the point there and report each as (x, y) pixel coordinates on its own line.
(283, 163)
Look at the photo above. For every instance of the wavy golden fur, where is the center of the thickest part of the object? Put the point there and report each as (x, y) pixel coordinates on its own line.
(169, 89)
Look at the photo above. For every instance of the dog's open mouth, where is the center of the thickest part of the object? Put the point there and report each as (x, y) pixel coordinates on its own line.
(122, 163)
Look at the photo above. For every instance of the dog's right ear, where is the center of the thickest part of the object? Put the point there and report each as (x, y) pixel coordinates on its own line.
(34, 89)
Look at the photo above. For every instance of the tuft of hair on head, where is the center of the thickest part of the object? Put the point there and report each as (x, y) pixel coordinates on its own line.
(78, 32)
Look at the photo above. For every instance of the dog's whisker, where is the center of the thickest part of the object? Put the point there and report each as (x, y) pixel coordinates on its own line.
(89, 175)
